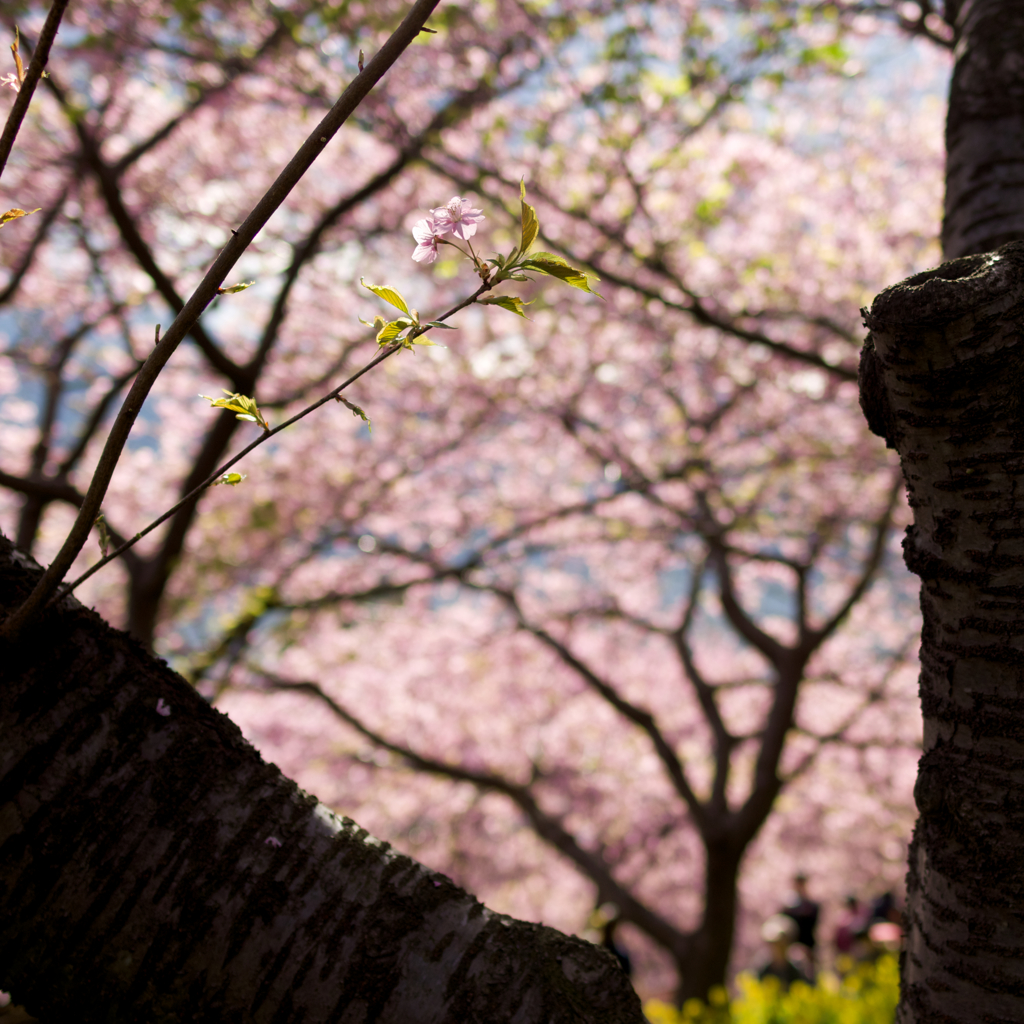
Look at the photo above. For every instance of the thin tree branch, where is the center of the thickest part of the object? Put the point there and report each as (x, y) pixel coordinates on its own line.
(186, 319)
(383, 354)
(724, 741)
(638, 716)
(46, 488)
(95, 420)
(774, 652)
(838, 735)
(871, 564)
(110, 190)
(32, 76)
(463, 104)
(49, 489)
(217, 439)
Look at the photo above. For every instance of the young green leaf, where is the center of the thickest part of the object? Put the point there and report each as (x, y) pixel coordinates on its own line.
(529, 218)
(437, 323)
(231, 479)
(554, 266)
(101, 526)
(390, 331)
(388, 295)
(235, 288)
(548, 257)
(509, 302)
(15, 213)
(243, 407)
(356, 411)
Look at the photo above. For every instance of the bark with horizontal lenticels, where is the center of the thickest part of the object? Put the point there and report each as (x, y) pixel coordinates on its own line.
(153, 867)
(984, 141)
(942, 380)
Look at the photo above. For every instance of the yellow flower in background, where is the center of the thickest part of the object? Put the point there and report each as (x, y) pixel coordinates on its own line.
(866, 995)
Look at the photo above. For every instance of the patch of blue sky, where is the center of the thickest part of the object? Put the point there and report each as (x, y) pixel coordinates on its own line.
(470, 547)
(21, 405)
(884, 69)
(673, 586)
(444, 595)
(88, 362)
(573, 565)
(775, 600)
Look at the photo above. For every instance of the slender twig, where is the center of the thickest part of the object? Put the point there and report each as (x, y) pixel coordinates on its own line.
(201, 297)
(379, 358)
(32, 76)
(303, 252)
(775, 653)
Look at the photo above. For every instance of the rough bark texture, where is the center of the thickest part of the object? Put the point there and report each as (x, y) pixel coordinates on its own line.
(942, 380)
(154, 868)
(984, 136)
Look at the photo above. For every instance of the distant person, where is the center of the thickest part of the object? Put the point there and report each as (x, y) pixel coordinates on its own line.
(883, 908)
(779, 932)
(853, 921)
(804, 913)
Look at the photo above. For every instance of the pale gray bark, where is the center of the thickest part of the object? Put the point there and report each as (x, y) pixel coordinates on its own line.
(984, 136)
(942, 380)
(154, 868)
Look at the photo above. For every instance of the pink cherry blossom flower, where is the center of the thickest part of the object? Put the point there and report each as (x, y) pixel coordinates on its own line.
(458, 217)
(11, 81)
(427, 234)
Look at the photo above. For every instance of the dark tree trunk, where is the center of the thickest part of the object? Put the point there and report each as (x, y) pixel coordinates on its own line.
(985, 128)
(154, 868)
(707, 965)
(942, 380)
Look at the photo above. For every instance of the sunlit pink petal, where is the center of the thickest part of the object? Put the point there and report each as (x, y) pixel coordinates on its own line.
(426, 234)
(458, 217)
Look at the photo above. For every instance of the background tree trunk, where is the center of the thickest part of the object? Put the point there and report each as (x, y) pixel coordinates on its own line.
(153, 867)
(708, 966)
(942, 374)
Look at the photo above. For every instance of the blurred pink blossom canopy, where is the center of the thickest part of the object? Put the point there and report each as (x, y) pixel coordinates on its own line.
(576, 464)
